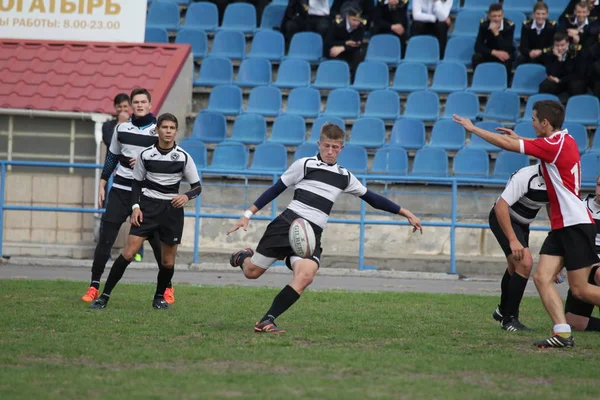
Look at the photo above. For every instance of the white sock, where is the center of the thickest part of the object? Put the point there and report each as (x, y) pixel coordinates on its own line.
(562, 328)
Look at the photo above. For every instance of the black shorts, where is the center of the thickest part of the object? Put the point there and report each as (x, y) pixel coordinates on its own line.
(580, 307)
(118, 206)
(275, 243)
(576, 244)
(521, 231)
(160, 216)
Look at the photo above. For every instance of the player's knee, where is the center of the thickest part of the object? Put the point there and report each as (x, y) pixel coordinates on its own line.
(597, 277)
(305, 278)
(525, 267)
(579, 291)
(168, 266)
(129, 252)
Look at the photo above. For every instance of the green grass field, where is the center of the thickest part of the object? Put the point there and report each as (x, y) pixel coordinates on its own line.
(340, 345)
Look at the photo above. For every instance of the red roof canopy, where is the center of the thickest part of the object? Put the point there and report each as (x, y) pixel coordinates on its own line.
(76, 76)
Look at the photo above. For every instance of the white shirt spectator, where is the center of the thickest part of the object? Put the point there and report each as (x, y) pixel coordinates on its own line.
(318, 7)
(431, 10)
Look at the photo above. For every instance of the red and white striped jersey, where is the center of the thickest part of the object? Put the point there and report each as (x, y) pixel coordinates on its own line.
(561, 168)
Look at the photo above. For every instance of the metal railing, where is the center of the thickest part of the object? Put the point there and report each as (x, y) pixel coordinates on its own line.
(362, 220)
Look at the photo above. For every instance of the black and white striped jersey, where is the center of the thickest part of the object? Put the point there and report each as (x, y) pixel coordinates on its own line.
(162, 171)
(525, 193)
(317, 186)
(127, 142)
(594, 209)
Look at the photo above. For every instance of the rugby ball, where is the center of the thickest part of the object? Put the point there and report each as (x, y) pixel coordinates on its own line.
(302, 238)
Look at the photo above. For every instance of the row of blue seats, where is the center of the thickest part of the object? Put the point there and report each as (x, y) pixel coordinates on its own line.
(369, 132)
(429, 161)
(385, 104)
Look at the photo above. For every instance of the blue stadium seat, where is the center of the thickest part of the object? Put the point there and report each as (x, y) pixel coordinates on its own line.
(596, 141)
(195, 38)
(225, 99)
(460, 49)
(410, 77)
(164, 15)
(430, 161)
(479, 143)
(305, 102)
(197, 150)
(306, 150)
(423, 49)
(293, 73)
(368, 132)
(315, 130)
(272, 16)
(523, 6)
(517, 18)
(488, 78)
(209, 127)
(384, 48)
(239, 17)
(289, 130)
(471, 162)
(531, 100)
(408, 133)
(579, 133)
(467, 24)
(203, 15)
(525, 129)
(181, 2)
(215, 71)
(478, 5)
(502, 106)
(507, 163)
(249, 129)
(156, 35)
(391, 160)
(527, 79)
(447, 135)
(332, 74)
(559, 5)
(254, 72)
(268, 45)
(229, 44)
(590, 167)
(449, 77)
(384, 104)
(371, 75)
(306, 46)
(271, 157)
(264, 100)
(342, 103)
(353, 158)
(229, 155)
(584, 109)
(423, 105)
(465, 104)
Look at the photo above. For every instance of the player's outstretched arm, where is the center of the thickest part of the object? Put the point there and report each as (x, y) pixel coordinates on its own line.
(383, 203)
(506, 142)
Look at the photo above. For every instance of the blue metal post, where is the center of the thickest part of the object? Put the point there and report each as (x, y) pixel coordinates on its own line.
(361, 238)
(453, 228)
(2, 194)
(197, 230)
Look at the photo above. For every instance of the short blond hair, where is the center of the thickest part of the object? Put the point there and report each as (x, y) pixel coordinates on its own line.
(332, 131)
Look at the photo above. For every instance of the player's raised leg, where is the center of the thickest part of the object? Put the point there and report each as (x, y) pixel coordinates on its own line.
(165, 273)
(516, 290)
(578, 312)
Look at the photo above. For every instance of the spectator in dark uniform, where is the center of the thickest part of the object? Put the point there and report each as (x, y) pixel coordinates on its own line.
(345, 38)
(592, 62)
(570, 8)
(581, 27)
(564, 67)
(537, 34)
(367, 7)
(432, 17)
(122, 105)
(494, 41)
(391, 16)
(305, 15)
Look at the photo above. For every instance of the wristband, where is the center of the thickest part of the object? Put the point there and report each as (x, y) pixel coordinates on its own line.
(135, 206)
(248, 214)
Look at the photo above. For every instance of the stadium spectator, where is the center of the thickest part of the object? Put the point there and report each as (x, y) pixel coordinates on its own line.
(391, 16)
(345, 37)
(122, 106)
(432, 17)
(305, 15)
(495, 39)
(367, 7)
(579, 27)
(570, 8)
(537, 35)
(564, 67)
(592, 62)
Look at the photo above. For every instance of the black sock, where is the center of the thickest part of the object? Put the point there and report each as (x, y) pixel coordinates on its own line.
(162, 280)
(169, 285)
(504, 291)
(593, 325)
(516, 289)
(95, 284)
(116, 273)
(284, 300)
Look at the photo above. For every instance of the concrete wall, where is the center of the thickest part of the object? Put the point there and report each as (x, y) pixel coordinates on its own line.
(179, 99)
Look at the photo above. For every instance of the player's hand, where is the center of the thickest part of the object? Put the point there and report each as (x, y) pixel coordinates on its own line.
(179, 201)
(101, 196)
(517, 249)
(465, 122)
(507, 132)
(137, 217)
(132, 162)
(241, 223)
(560, 278)
(416, 223)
